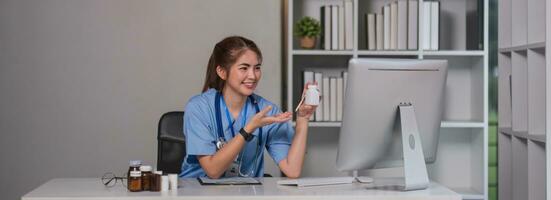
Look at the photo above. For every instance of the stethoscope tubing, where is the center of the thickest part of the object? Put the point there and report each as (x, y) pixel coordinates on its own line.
(222, 140)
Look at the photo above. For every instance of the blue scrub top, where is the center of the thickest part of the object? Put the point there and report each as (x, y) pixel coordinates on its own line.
(201, 134)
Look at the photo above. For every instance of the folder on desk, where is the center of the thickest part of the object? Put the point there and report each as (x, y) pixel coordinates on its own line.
(229, 181)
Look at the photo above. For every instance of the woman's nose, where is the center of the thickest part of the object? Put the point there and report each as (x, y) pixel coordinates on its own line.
(251, 74)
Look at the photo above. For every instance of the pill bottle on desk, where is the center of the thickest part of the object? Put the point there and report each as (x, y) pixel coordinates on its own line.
(133, 165)
(146, 177)
(134, 176)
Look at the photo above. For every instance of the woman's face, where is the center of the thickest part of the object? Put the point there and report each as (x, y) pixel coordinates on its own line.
(244, 74)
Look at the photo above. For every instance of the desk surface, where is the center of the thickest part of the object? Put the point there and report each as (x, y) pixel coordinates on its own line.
(91, 188)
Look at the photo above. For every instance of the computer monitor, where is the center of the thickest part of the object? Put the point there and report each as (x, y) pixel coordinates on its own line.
(383, 98)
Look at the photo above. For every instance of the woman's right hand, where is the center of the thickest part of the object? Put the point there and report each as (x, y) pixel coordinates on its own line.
(260, 119)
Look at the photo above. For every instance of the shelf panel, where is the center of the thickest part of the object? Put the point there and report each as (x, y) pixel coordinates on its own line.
(537, 45)
(520, 134)
(453, 53)
(536, 138)
(443, 124)
(506, 130)
(462, 124)
(322, 52)
(323, 124)
(468, 193)
(504, 89)
(388, 53)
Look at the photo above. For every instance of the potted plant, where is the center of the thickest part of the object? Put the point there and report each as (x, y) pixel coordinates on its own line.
(308, 29)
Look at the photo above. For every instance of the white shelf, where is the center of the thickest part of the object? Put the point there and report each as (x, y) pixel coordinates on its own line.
(506, 130)
(443, 124)
(322, 52)
(468, 193)
(453, 53)
(462, 124)
(537, 138)
(537, 45)
(388, 53)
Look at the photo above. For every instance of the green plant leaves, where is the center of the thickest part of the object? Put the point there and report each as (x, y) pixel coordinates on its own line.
(307, 27)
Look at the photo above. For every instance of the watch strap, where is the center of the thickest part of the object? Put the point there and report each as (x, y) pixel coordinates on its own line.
(247, 136)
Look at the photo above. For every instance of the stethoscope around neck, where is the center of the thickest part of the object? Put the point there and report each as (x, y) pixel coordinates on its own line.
(221, 140)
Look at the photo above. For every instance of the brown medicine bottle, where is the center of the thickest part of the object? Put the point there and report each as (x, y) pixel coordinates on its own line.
(134, 176)
(156, 181)
(146, 177)
(135, 181)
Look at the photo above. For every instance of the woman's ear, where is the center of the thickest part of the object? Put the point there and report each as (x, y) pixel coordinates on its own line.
(221, 72)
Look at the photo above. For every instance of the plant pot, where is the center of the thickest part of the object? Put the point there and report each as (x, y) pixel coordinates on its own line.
(308, 42)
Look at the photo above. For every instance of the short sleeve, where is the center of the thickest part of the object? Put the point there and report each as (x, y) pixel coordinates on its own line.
(279, 139)
(200, 138)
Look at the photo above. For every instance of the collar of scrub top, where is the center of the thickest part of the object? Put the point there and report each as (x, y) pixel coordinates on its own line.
(220, 130)
(243, 115)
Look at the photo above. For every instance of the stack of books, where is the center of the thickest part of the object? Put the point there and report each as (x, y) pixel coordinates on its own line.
(337, 25)
(397, 26)
(332, 89)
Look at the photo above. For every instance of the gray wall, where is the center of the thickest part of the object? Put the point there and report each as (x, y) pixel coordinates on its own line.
(83, 83)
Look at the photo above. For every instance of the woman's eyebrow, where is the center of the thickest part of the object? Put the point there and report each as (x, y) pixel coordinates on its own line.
(248, 65)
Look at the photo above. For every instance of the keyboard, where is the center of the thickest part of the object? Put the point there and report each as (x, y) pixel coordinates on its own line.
(317, 181)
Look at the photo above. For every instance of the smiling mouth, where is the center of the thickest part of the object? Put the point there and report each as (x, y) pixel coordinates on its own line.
(249, 84)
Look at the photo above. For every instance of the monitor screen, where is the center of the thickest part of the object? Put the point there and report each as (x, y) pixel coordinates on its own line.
(370, 131)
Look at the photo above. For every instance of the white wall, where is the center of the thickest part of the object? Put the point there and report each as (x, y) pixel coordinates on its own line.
(83, 83)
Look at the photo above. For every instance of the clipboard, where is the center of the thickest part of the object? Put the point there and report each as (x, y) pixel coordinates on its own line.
(229, 181)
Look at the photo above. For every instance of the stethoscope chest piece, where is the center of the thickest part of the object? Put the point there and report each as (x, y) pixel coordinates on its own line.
(220, 143)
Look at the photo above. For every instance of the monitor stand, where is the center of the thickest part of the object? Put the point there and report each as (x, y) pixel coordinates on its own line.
(415, 170)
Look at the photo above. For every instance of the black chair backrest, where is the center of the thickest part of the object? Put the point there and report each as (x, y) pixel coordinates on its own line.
(171, 142)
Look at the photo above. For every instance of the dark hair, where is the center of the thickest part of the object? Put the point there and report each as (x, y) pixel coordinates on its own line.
(225, 54)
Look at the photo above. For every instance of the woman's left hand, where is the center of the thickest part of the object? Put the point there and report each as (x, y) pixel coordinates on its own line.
(306, 111)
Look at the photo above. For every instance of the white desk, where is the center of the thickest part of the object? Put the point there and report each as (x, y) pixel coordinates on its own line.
(91, 188)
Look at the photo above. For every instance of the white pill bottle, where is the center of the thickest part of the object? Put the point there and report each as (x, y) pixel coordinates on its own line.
(312, 95)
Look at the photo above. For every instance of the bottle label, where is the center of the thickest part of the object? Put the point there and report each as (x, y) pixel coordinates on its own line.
(135, 173)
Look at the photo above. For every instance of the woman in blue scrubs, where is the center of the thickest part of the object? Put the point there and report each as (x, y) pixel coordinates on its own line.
(227, 126)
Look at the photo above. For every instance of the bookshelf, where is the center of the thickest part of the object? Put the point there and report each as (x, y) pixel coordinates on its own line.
(524, 99)
(464, 130)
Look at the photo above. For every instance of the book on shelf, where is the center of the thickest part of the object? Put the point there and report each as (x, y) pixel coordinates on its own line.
(349, 24)
(340, 98)
(337, 25)
(345, 81)
(341, 26)
(435, 25)
(333, 99)
(334, 27)
(475, 24)
(413, 14)
(332, 87)
(426, 25)
(308, 77)
(393, 25)
(402, 25)
(318, 78)
(325, 18)
(386, 27)
(370, 19)
(379, 31)
(325, 95)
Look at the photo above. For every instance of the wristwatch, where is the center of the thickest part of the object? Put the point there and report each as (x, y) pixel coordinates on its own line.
(247, 136)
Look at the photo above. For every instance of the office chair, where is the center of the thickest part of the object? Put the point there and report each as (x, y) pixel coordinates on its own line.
(171, 145)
